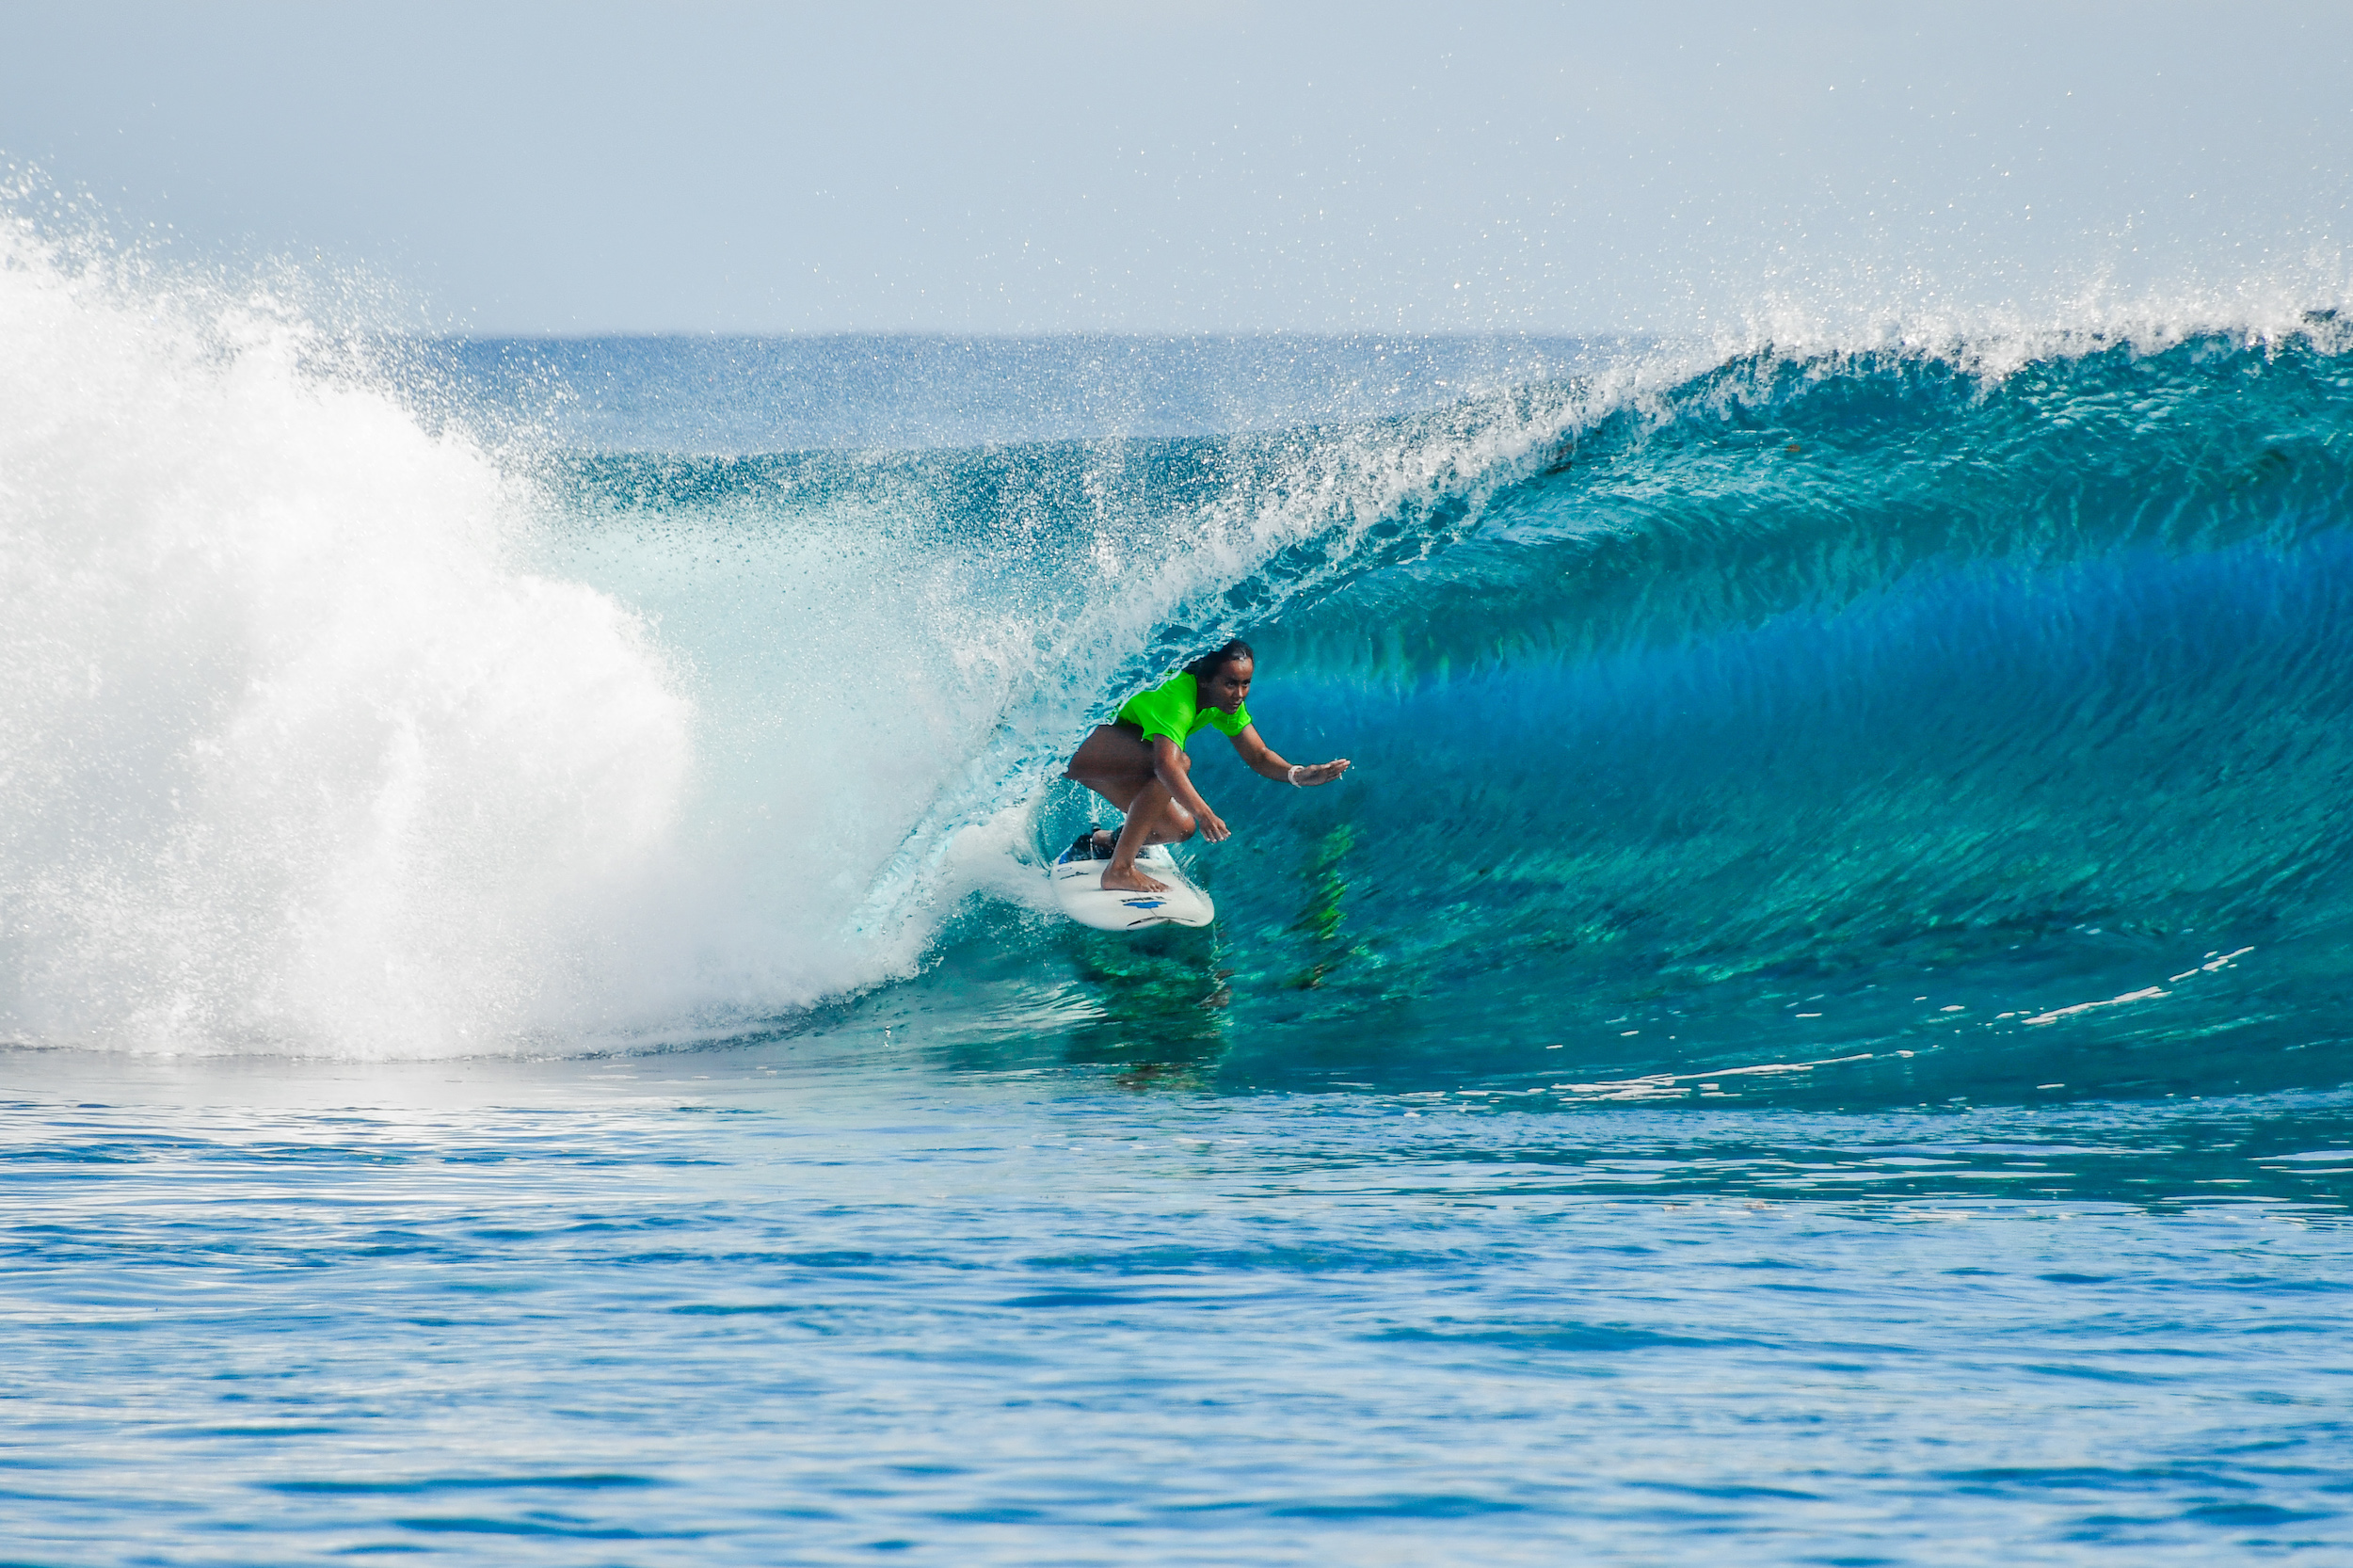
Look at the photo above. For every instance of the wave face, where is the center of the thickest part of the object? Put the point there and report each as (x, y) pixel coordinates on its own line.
(1712, 712)
(1847, 705)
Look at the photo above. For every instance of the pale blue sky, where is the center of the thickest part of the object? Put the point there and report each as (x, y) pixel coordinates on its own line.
(1212, 167)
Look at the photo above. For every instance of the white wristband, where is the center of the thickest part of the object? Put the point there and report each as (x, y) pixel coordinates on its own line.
(1296, 770)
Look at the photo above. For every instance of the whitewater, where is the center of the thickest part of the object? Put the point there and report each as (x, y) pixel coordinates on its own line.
(534, 1027)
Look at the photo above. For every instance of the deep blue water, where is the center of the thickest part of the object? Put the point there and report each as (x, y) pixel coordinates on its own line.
(531, 1029)
(820, 1304)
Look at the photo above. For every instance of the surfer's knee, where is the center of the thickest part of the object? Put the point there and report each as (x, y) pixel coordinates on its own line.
(1181, 822)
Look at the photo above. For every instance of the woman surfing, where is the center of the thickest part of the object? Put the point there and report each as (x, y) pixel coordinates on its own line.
(1138, 760)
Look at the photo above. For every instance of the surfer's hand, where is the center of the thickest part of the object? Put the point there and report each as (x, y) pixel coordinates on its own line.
(1322, 772)
(1213, 826)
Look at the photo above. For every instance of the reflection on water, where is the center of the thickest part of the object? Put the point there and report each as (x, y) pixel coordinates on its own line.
(823, 1297)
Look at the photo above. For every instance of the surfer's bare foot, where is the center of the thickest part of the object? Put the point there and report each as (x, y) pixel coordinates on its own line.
(1130, 881)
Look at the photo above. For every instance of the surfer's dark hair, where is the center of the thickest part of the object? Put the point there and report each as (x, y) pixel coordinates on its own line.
(1217, 659)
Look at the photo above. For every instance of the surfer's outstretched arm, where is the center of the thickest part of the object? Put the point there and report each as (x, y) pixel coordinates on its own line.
(1262, 761)
(1138, 761)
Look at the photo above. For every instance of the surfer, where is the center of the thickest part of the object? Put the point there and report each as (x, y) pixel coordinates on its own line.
(1138, 761)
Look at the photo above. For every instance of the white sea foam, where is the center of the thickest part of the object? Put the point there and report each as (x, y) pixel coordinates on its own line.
(295, 755)
(328, 735)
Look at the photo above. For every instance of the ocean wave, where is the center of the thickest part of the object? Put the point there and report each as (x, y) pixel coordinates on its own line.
(1824, 682)
(1710, 708)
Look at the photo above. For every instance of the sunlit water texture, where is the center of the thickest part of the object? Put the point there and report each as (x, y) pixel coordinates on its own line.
(767, 1307)
(535, 1030)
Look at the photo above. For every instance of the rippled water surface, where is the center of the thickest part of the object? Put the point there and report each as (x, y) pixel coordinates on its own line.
(825, 1300)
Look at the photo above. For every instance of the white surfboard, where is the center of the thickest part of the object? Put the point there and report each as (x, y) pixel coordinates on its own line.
(1079, 889)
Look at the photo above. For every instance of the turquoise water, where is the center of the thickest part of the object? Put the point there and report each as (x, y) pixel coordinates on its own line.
(532, 1027)
(823, 1303)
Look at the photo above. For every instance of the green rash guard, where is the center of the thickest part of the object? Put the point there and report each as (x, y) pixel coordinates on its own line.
(1173, 709)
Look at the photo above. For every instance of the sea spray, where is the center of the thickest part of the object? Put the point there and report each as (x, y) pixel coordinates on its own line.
(298, 756)
(345, 731)
(361, 716)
